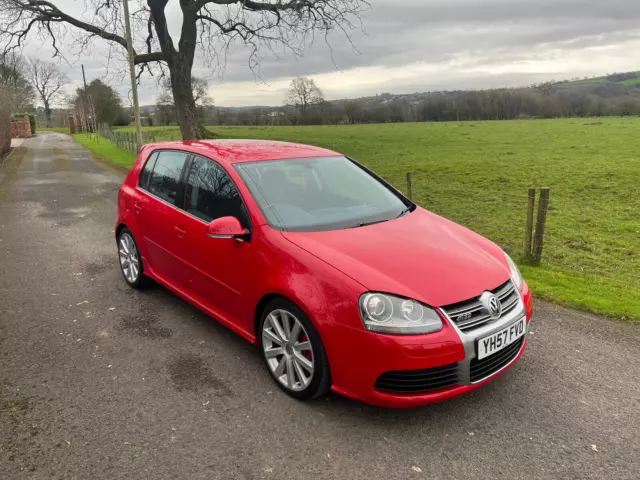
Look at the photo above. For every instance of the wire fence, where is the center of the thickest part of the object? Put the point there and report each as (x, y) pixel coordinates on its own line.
(595, 240)
(124, 140)
(599, 241)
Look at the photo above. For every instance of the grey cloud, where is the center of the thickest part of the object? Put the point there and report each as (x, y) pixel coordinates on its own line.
(401, 32)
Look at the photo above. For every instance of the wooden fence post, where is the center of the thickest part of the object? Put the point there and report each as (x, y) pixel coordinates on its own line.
(538, 239)
(410, 185)
(528, 234)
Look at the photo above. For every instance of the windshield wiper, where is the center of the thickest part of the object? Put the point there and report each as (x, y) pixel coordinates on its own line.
(404, 212)
(364, 224)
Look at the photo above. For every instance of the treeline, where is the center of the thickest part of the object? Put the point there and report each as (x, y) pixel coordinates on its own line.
(99, 103)
(621, 77)
(547, 100)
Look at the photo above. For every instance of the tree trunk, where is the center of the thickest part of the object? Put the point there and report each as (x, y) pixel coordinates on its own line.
(47, 113)
(186, 112)
(180, 63)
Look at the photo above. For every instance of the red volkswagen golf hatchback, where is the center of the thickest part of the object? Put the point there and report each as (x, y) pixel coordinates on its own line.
(341, 281)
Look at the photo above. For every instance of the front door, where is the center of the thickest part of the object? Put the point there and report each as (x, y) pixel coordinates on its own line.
(158, 216)
(220, 268)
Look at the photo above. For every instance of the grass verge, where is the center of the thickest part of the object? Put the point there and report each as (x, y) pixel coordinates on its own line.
(106, 150)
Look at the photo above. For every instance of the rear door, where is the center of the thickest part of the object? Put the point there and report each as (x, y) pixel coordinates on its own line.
(158, 214)
(220, 268)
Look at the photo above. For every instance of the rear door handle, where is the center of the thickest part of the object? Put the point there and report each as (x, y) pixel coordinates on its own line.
(137, 208)
(180, 231)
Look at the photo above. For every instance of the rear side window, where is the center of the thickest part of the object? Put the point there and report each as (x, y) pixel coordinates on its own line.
(212, 194)
(164, 181)
(143, 182)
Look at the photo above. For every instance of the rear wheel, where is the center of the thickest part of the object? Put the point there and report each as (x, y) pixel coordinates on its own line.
(130, 261)
(293, 351)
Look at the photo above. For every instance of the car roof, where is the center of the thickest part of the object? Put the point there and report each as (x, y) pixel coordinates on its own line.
(235, 151)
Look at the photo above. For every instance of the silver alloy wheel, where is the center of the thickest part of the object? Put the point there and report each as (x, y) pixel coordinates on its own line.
(288, 351)
(129, 261)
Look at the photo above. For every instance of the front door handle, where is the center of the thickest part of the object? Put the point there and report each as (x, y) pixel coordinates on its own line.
(180, 231)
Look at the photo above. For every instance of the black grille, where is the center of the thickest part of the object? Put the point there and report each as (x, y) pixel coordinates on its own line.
(489, 365)
(416, 381)
(471, 314)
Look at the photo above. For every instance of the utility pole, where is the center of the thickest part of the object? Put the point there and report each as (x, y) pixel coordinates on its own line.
(132, 71)
(85, 104)
(89, 102)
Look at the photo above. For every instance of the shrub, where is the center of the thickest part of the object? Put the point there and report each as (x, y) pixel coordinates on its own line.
(121, 120)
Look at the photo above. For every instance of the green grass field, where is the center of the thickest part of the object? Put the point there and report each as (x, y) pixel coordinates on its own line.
(478, 174)
(604, 79)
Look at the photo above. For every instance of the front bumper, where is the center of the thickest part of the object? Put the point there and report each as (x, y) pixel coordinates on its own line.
(362, 357)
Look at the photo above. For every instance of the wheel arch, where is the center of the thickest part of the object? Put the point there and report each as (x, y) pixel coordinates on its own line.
(119, 228)
(259, 310)
(268, 298)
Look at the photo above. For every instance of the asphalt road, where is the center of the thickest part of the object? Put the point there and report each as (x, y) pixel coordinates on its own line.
(98, 381)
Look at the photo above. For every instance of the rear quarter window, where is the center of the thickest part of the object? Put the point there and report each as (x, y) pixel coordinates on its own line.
(165, 178)
(145, 174)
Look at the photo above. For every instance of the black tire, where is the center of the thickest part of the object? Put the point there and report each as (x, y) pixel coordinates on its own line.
(141, 280)
(321, 379)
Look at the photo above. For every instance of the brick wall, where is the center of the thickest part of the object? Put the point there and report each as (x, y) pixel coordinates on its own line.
(20, 127)
(5, 135)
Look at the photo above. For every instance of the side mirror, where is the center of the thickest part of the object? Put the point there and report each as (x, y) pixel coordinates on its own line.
(228, 227)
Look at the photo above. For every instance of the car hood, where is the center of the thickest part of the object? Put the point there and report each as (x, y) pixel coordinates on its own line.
(420, 255)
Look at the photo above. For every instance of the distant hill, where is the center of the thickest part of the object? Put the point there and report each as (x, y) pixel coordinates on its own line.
(627, 78)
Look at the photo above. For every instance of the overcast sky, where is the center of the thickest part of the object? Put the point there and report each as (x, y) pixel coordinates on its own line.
(412, 46)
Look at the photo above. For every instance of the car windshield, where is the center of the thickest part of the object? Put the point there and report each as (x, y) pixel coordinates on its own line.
(319, 194)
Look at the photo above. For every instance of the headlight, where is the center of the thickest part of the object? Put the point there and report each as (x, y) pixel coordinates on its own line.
(388, 314)
(516, 276)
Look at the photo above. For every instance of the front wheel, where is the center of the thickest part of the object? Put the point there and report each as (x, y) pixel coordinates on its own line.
(293, 351)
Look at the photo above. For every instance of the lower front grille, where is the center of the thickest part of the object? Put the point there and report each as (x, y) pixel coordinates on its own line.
(417, 381)
(489, 365)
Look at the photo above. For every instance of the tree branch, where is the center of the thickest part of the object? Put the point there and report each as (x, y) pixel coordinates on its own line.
(149, 57)
(45, 11)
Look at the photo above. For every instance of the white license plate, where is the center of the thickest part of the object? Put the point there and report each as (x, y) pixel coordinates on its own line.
(499, 340)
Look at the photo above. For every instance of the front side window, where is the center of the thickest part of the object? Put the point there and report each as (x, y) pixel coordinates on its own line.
(165, 178)
(211, 193)
(317, 194)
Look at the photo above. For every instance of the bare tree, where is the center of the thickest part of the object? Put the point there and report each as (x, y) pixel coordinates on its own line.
(49, 82)
(201, 95)
(303, 92)
(166, 106)
(546, 89)
(352, 111)
(212, 25)
(18, 92)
